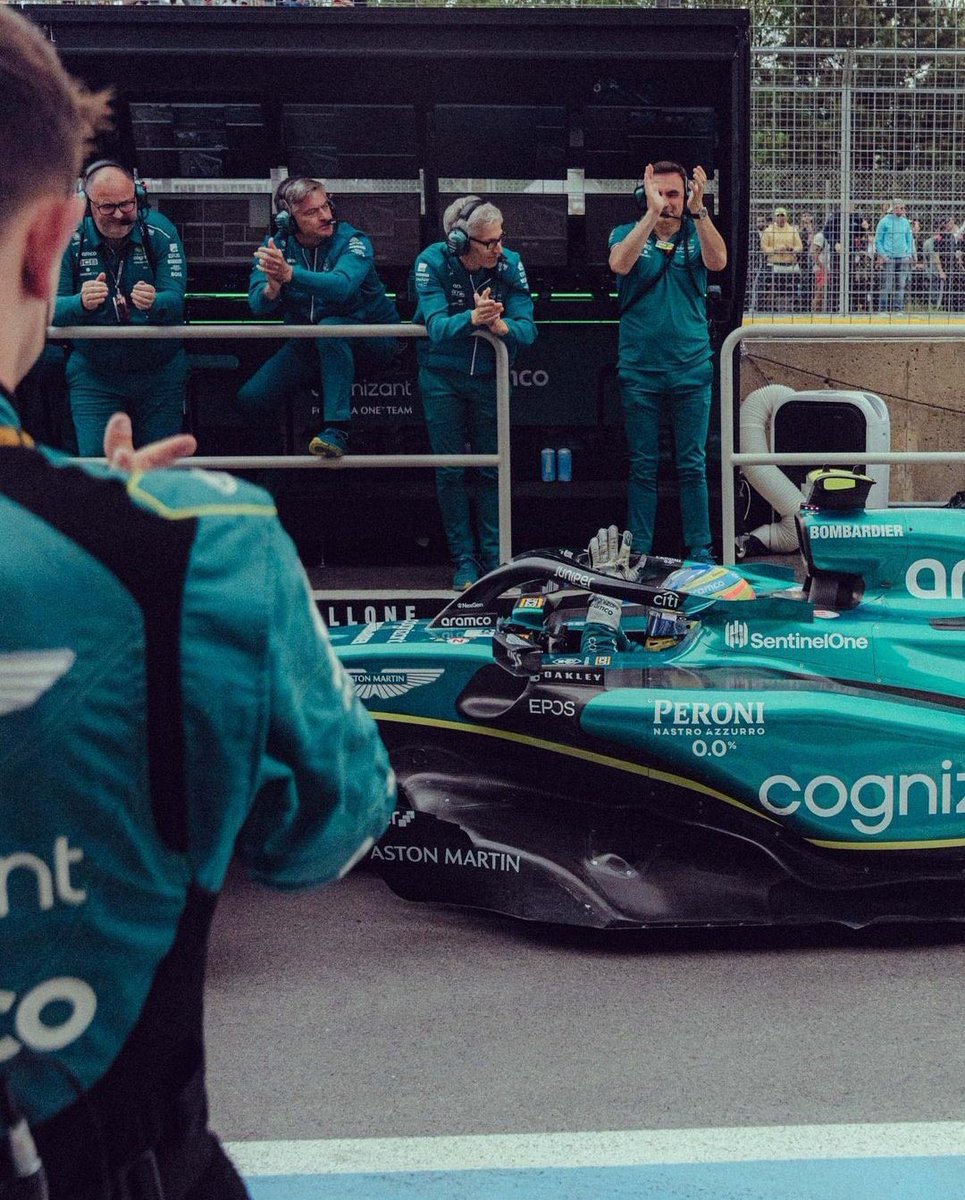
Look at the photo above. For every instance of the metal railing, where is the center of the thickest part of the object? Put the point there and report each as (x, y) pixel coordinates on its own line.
(348, 462)
(731, 458)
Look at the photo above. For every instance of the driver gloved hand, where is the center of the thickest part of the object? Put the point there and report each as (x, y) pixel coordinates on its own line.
(601, 633)
(609, 553)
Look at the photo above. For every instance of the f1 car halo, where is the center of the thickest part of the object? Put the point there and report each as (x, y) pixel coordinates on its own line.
(790, 753)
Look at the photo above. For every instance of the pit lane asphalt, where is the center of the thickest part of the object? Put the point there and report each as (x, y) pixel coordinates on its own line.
(349, 1013)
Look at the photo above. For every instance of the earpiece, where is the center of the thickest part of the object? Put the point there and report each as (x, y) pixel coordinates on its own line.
(283, 216)
(457, 239)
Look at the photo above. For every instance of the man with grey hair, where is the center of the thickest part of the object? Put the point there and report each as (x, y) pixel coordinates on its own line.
(466, 283)
(317, 270)
(895, 249)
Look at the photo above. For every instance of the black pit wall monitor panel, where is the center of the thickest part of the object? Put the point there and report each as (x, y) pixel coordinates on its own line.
(501, 141)
(217, 229)
(524, 101)
(619, 139)
(351, 141)
(200, 141)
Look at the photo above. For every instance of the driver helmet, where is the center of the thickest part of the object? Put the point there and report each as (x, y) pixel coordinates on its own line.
(666, 629)
(718, 583)
(528, 615)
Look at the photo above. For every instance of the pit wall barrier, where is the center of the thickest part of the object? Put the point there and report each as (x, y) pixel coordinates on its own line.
(730, 456)
(500, 460)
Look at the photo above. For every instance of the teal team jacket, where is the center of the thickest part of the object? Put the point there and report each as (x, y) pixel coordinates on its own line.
(663, 324)
(87, 256)
(168, 699)
(444, 289)
(336, 279)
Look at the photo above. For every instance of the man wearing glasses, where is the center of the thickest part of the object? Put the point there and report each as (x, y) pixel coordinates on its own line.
(467, 283)
(123, 266)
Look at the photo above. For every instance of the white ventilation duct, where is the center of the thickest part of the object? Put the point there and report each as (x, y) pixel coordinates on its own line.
(756, 422)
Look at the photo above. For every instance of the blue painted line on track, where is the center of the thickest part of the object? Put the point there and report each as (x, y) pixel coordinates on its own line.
(910, 1178)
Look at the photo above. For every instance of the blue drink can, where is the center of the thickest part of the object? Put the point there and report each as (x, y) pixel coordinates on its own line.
(547, 465)
(564, 470)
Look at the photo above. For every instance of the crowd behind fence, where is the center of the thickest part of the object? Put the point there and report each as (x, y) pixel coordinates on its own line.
(838, 135)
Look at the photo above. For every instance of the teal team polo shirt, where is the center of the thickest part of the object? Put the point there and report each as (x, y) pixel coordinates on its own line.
(666, 331)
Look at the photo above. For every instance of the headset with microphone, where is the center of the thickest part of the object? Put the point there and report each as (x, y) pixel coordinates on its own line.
(285, 221)
(143, 208)
(283, 214)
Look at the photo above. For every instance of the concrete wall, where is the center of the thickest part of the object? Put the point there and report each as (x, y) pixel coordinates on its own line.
(922, 383)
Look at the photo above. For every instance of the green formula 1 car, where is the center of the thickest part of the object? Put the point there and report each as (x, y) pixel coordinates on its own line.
(752, 749)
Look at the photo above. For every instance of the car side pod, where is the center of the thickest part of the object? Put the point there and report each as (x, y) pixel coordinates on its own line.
(906, 556)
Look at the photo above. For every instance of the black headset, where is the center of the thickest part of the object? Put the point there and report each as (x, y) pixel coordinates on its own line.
(140, 191)
(143, 208)
(284, 217)
(457, 239)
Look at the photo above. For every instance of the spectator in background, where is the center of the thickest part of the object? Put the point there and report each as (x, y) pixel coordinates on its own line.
(820, 255)
(317, 270)
(862, 269)
(934, 270)
(949, 250)
(469, 281)
(806, 276)
(756, 264)
(124, 266)
(917, 291)
(170, 700)
(857, 226)
(782, 248)
(895, 250)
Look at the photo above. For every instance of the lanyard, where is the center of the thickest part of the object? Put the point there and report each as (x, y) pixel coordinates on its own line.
(313, 266)
(115, 275)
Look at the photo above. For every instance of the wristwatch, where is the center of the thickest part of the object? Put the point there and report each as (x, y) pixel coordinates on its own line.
(699, 214)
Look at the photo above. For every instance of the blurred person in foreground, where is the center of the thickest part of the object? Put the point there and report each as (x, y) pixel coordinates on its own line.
(168, 699)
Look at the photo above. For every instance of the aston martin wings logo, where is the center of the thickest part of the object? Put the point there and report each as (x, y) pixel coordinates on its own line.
(387, 683)
(26, 675)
